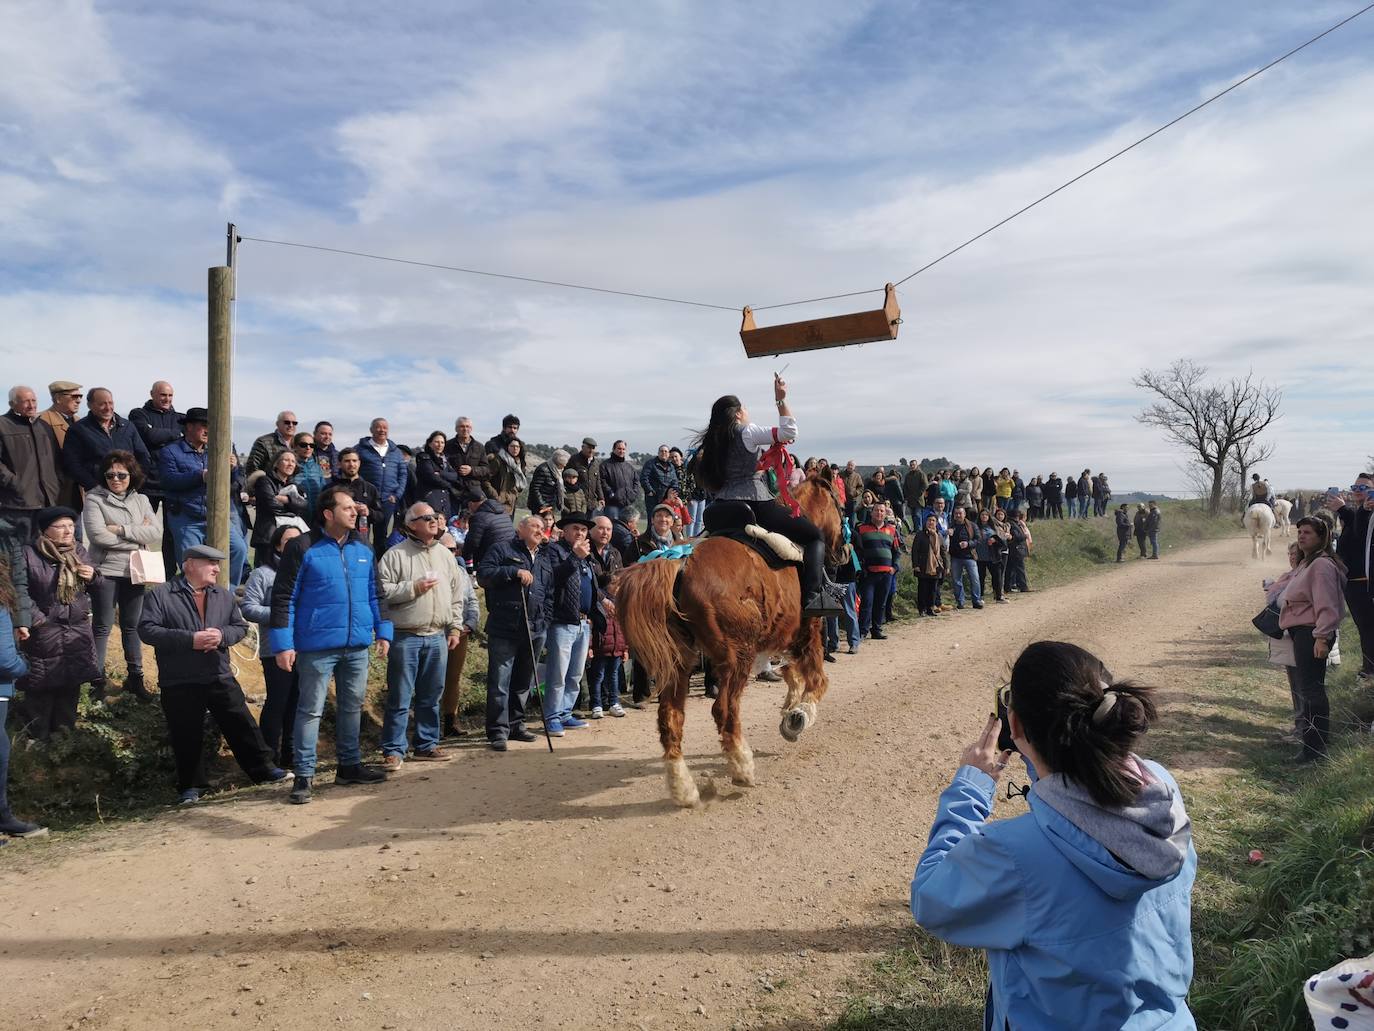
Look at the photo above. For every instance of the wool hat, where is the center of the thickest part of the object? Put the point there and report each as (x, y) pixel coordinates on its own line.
(62, 386)
(206, 552)
(46, 517)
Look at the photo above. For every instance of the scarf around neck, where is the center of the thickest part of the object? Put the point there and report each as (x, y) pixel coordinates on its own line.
(522, 479)
(68, 582)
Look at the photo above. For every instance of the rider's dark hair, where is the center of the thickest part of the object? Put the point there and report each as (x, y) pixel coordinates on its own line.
(1061, 693)
(713, 443)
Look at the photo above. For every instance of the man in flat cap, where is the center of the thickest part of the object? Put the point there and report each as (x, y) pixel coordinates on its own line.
(573, 600)
(192, 622)
(66, 402)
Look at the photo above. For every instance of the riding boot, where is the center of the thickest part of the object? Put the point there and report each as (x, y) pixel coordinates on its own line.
(820, 597)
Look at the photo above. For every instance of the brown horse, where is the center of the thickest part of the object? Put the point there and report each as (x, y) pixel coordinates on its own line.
(723, 601)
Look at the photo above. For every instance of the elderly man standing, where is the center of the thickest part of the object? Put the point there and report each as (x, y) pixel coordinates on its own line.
(191, 623)
(29, 461)
(425, 596)
(90, 439)
(467, 457)
(325, 615)
(516, 583)
(589, 472)
(266, 448)
(159, 424)
(185, 465)
(546, 485)
(60, 415)
(383, 466)
(573, 601)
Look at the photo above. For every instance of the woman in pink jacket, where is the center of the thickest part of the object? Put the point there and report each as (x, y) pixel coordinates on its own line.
(1312, 607)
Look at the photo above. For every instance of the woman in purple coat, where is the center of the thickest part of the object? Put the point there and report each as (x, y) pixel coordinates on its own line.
(60, 649)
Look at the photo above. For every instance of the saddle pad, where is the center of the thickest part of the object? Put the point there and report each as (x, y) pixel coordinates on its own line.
(764, 551)
(676, 551)
(784, 548)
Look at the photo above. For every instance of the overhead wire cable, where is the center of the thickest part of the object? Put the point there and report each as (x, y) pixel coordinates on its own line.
(828, 297)
(1082, 175)
(492, 275)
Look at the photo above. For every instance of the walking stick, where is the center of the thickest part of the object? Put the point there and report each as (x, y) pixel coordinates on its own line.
(534, 669)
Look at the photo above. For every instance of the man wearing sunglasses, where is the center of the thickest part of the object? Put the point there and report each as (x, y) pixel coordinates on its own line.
(267, 447)
(425, 597)
(1355, 546)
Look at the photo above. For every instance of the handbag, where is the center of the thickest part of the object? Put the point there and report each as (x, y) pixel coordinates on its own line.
(146, 567)
(1267, 622)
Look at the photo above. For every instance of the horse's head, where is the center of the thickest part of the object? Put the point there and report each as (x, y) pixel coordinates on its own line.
(819, 504)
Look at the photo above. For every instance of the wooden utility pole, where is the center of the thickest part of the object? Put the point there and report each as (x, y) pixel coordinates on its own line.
(221, 430)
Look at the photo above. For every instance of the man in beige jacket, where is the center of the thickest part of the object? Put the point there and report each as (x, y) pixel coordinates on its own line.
(424, 594)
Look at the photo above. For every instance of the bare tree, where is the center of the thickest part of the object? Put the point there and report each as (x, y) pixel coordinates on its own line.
(1209, 420)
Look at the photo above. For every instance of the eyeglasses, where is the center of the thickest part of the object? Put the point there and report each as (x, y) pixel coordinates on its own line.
(74, 397)
(290, 422)
(306, 447)
(116, 476)
(427, 519)
(1361, 488)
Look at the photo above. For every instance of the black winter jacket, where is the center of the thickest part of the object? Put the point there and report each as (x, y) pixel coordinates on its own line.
(87, 443)
(436, 482)
(487, 527)
(505, 609)
(563, 598)
(544, 489)
(158, 429)
(619, 484)
(61, 645)
(475, 457)
(169, 623)
(963, 540)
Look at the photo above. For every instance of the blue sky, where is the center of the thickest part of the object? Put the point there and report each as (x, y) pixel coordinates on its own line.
(724, 152)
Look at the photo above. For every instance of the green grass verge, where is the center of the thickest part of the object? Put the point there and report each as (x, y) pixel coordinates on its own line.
(1258, 930)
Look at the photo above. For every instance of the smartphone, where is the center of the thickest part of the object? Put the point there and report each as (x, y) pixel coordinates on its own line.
(1001, 698)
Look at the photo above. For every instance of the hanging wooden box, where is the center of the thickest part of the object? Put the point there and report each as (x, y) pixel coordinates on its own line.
(864, 327)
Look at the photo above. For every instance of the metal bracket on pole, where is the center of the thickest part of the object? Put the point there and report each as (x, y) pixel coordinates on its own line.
(231, 253)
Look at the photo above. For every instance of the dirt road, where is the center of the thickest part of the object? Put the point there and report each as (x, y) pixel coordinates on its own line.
(536, 890)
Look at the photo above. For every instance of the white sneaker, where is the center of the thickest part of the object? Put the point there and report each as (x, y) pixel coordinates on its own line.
(617, 711)
(596, 713)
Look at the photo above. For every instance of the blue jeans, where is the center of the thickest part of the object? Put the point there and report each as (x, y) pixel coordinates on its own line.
(510, 676)
(348, 666)
(873, 593)
(1083, 507)
(187, 531)
(967, 567)
(568, 644)
(695, 509)
(851, 621)
(414, 672)
(1154, 544)
(4, 758)
(611, 512)
(605, 681)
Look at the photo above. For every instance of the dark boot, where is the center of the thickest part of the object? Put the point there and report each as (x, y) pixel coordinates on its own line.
(820, 598)
(14, 827)
(134, 685)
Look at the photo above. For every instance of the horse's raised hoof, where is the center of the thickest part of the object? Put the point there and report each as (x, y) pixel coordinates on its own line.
(792, 725)
(681, 786)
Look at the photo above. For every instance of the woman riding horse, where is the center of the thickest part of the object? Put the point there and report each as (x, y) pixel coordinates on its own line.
(726, 464)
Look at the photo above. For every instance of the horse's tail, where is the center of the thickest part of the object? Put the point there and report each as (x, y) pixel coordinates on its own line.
(651, 619)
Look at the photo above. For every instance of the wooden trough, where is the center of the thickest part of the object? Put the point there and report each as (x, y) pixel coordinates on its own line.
(864, 327)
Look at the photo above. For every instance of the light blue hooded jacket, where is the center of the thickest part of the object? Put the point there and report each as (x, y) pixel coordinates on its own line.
(1075, 937)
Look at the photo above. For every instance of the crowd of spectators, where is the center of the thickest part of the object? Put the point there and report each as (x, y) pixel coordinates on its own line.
(380, 543)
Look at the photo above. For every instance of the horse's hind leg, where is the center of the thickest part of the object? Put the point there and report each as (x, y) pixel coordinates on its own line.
(738, 755)
(672, 701)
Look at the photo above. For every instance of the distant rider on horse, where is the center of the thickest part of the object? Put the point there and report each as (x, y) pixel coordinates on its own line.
(726, 464)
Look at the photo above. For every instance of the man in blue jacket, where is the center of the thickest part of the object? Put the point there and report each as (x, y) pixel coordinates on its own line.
(183, 466)
(573, 601)
(383, 466)
(516, 584)
(325, 615)
(90, 439)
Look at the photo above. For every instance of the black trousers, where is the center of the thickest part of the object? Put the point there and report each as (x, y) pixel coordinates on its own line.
(1309, 693)
(1361, 605)
(185, 706)
(925, 592)
(1121, 541)
(278, 722)
(995, 570)
(44, 713)
(1140, 539)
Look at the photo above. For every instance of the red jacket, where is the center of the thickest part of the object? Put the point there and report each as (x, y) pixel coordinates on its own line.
(610, 641)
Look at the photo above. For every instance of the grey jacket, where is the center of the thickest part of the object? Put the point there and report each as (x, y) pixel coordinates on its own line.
(139, 529)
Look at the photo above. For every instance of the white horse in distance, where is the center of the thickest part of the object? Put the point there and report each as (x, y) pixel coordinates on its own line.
(1282, 509)
(1259, 520)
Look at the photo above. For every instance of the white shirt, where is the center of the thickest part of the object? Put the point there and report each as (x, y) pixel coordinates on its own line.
(760, 438)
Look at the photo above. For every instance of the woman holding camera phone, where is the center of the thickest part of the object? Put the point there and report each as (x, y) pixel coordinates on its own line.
(1084, 903)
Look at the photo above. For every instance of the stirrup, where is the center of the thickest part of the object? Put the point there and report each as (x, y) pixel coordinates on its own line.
(827, 602)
